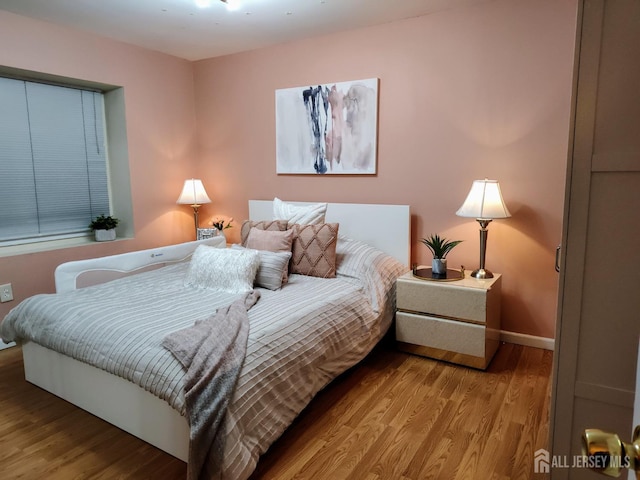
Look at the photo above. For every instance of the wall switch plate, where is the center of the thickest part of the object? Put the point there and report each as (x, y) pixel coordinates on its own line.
(6, 293)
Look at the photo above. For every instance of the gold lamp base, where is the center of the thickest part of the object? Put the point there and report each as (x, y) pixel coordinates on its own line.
(195, 207)
(481, 273)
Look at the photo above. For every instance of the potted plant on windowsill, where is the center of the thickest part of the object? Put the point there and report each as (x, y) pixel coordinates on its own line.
(440, 248)
(104, 228)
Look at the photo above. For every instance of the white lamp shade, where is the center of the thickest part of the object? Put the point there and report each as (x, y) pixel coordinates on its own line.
(193, 193)
(484, 201)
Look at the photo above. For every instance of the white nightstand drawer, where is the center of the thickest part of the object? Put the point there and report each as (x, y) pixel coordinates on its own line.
(441, 333)
(465, 299)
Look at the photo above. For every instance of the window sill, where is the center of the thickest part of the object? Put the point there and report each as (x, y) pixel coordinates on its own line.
(36, 247)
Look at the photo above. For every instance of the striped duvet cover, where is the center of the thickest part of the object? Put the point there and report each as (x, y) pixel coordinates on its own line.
(301, 337)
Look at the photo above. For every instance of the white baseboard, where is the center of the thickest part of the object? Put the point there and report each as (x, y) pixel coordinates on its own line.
(6, 345)
(527, 340)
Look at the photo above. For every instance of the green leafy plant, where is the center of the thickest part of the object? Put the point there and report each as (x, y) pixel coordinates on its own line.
(104, 223)
(440, 247)
(219, 223)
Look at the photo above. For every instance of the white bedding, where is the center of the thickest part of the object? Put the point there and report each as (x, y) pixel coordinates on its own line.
(301, 337)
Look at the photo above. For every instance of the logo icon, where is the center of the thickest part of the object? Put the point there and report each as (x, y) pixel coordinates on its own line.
(541, 461)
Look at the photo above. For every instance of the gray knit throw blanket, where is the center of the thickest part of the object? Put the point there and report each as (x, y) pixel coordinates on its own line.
(212, 351)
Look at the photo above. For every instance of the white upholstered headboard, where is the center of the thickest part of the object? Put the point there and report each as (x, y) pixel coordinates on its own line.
(386, 227)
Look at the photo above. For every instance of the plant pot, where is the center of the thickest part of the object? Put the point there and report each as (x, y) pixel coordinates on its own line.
(439, 266)
(219, 233)
(105, 235)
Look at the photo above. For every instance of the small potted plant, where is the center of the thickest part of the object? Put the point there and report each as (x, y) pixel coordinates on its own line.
(104, 228)
(440, 248)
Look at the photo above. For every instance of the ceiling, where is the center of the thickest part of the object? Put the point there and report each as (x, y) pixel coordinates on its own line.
(180, 28)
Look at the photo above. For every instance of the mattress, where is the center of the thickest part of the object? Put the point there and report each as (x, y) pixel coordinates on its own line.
(301, 337)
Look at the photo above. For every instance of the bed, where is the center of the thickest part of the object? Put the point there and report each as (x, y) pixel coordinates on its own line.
(252, 425)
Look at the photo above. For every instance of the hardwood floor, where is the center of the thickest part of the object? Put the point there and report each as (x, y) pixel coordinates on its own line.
(394, 416)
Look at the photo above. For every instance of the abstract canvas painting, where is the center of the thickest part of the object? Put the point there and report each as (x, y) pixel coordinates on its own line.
(327, 129)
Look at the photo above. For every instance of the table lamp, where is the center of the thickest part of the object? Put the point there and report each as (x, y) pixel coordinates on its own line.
(194, 194)
(484, 203)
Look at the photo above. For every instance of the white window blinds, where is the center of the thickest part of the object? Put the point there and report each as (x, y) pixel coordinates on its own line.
(53, 163)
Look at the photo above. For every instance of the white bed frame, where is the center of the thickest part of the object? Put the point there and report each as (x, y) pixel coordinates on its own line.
(83, 273)
(128, 406)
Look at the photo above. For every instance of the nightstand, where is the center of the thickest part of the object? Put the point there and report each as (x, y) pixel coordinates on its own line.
(456, 321)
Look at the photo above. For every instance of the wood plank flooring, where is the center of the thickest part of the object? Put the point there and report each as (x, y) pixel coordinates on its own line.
(394, 416)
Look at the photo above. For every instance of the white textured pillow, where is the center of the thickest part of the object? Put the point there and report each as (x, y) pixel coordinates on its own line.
(223, 269)
(302, 214)
(272, 270)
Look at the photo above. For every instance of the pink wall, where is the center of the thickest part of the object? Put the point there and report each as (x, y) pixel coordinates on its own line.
(474, 92)
(159, 96)
(470, 93)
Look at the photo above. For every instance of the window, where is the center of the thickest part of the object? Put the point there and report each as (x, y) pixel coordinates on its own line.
(53, 161)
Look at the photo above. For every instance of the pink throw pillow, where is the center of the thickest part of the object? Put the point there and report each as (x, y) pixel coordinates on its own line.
(269, 225)
(272, 241)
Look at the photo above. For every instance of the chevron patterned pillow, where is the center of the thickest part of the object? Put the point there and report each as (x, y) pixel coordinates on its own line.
(314, 249)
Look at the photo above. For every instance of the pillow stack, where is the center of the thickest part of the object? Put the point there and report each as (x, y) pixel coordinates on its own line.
(299, 231)
(314, 241)
(297, 240)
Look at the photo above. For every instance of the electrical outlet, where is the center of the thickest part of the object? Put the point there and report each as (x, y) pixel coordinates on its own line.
(6, 293)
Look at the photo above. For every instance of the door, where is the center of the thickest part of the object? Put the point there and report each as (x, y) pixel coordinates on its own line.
(599, 301)
(609, 454)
